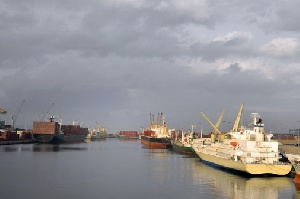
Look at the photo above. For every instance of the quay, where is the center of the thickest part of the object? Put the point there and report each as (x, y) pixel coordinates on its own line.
(11, 142)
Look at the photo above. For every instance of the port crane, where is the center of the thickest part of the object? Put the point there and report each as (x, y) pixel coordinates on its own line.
(219, 121)
(3, 111)
(46, 113)
(15, 116)
(56, 116)
(100, 128)
(238, 119)
(214, 126)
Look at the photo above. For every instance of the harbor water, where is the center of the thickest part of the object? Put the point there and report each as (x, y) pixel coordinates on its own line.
(124, 169)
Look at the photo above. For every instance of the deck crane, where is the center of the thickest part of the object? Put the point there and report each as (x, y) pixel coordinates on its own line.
(46, 113)
(100, 128)
(3, 111)
(208, 120)
(238, 119)
(15, 116)
(219, 121)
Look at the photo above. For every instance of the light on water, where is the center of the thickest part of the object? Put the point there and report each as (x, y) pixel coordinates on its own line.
(115, 169)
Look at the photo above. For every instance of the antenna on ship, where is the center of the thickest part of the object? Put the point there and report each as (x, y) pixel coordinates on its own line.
(150, 120)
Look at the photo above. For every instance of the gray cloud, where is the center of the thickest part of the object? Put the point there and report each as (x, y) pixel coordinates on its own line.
(116, 61)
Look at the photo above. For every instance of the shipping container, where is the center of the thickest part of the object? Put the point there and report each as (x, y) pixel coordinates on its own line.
(45, 127)
(149, 133)
(129, 134)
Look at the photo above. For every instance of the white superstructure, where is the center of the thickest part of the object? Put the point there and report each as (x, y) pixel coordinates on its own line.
(246, 149)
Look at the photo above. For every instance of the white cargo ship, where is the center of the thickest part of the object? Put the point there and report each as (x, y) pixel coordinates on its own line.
(244, 149)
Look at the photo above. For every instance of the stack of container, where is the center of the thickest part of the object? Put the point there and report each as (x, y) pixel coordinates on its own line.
(23, 135)
(9, 136)
(45, 127)
(84, 131)
(67, 129)
(128, 134)
(74, 130)
(148, 133)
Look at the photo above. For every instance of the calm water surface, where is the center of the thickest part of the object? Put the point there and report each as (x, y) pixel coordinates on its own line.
(116, 169)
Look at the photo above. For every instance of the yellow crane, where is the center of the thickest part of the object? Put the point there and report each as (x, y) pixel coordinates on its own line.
(214, 126)
(100, 128)
(219, 121)
(238, 119)
(3, 111)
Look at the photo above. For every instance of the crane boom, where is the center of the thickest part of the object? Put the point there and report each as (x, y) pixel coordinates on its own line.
(46, 115)
(15, 116)
(238, 119)
(100, 128)
(219, 120)
(3, 111)
(215, 128)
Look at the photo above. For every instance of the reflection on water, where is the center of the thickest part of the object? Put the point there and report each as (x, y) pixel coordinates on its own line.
(124, 169)
(237, 186)
(128, 139)
(216, 183)
(42, 148)
(297, 193)
(57, 148)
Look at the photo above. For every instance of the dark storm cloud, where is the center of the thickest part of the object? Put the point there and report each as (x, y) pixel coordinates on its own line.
(234, 68)
(234, 44)
(280, 16)
(115, 61)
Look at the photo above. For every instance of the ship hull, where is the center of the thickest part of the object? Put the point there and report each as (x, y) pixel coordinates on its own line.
(97, 137)
(293, 154)
(128, 137)
(48, 138)
(297, 173)
(44, 138)
(68, 138)
(153, 142)
(179, 148)
(253, 169)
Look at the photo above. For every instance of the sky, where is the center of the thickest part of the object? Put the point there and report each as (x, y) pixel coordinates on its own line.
(117, 61)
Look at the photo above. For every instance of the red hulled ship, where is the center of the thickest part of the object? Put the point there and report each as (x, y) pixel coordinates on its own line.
(157, 136)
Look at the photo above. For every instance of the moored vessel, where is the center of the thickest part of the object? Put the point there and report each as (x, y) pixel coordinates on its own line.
(128, 135)
(296, 166)
(182, 142)
(54, 132)
(100, 133)
(157, 136)
(292, 152)
(44, 131)
(249, 150)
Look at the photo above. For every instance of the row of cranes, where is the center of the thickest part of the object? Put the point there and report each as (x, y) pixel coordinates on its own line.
(216, 126)
(15, 116)
(46, 116)
(50, 114)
